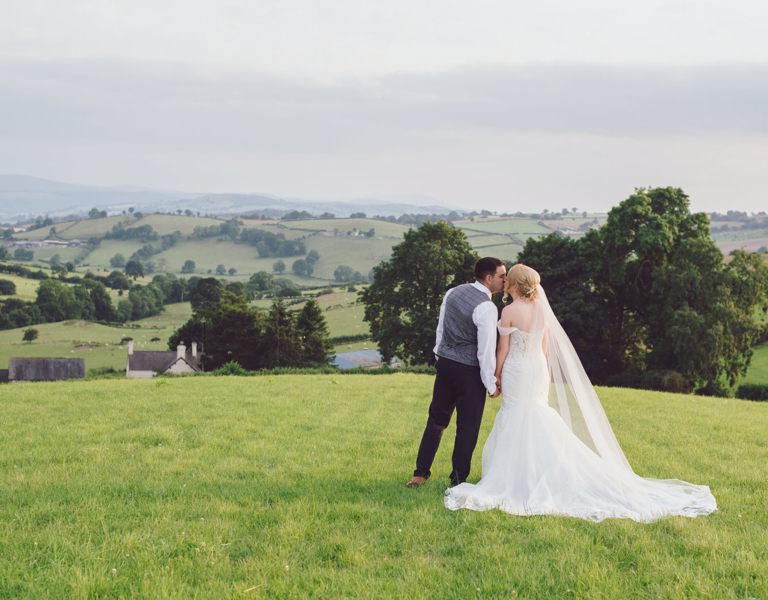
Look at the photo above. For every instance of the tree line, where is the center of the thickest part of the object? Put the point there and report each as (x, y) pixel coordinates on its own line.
(231, 330)
(87, 298)
(647, 299)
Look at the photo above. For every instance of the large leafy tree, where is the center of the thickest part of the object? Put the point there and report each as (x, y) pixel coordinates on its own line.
(58, 301)
(134, 268)
(650, 290)
(402, 304)
(228, 330)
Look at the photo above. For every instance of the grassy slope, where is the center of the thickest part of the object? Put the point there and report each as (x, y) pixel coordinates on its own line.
(516, 226)
(758, 369)
(362, 254)
(98, 344)
(26, 289)
(188, 488)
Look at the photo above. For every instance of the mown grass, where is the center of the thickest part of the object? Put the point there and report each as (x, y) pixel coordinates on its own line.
(292, 487)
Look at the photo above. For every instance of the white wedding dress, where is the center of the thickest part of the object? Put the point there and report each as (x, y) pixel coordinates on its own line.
(542, 457)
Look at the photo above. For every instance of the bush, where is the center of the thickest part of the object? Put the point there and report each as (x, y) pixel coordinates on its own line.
(717, 389)
(7, 287)
(752, 391)
(231, 368)
(665, 380)
(662, 380)
(105, 373)
(624, 380)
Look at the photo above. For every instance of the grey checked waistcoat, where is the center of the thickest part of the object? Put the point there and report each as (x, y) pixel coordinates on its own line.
(459, 341)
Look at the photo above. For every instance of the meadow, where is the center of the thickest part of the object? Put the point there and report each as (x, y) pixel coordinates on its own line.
(758, 368)
(292, 487)
(336, 241)
(100, 345)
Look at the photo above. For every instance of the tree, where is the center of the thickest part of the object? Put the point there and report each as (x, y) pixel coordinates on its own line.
(302, 268)
(402, 304)
(278, 266)
(7, 287)
(117, 261)
(343, 273)
(282, 344)
(57, 301)
(232, 271)
(357, 215)
(23, 254)
(260, 282)
(228, 330)
(221, 270)
(312, 257)
(4, 254)
(30, 335)
(55, 260)
(118, 281)
(133, 268)
(630, 294)
(100, 300)
(312, 331)
(205, 294)
(188, 266)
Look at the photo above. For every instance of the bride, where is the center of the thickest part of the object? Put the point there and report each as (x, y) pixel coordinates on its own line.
(551, 449)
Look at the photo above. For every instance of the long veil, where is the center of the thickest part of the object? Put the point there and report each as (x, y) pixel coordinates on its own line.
(570, 390)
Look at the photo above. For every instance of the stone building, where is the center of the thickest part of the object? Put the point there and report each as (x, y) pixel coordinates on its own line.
(144, 364)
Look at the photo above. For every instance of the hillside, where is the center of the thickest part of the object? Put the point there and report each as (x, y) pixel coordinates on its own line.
(359, 243)
(27, 196)
(292, 487)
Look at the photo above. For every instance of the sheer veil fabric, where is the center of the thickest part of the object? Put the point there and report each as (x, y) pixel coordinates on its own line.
(552, 450)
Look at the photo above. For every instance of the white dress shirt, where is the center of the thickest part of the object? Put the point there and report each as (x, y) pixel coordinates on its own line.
(485, 318)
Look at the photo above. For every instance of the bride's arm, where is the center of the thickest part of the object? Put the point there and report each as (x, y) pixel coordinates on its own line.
(501, 353)
(502, 347)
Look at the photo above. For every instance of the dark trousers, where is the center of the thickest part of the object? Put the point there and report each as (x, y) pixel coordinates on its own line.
(457, 386)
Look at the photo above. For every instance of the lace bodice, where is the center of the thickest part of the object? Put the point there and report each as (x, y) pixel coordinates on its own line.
(520, 342)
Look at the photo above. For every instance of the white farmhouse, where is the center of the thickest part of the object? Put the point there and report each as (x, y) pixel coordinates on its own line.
(144, 364)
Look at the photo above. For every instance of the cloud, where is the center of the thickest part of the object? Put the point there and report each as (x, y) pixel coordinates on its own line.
(173, 107)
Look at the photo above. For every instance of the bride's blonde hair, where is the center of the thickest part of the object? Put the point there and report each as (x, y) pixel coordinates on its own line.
(525, 278)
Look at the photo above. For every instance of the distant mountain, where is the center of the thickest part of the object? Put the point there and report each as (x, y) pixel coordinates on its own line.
(23, 196)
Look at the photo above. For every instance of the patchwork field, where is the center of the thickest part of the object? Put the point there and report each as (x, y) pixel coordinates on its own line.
(285, 487)
(99, 345)
(26, 289)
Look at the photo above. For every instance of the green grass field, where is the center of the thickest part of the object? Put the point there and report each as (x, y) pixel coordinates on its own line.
(98, 344)
(359, 253)
(383, 228)
(286, 487)
(26, 289)
(758, 369)
(516, 226)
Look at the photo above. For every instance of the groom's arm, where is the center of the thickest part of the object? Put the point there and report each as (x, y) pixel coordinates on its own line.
(485, 316)
(439, 333)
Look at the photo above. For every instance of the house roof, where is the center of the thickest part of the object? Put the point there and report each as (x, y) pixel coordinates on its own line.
(158, 361)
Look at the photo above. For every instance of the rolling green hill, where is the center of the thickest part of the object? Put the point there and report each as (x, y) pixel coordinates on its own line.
(98, 344)
(286, 487)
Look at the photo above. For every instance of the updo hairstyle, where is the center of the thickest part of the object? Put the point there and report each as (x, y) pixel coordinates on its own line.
(525, 278)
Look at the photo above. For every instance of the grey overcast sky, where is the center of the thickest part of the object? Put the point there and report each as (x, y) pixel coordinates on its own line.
(503, 105)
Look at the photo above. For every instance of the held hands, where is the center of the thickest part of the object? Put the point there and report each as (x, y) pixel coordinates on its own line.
(498, 388)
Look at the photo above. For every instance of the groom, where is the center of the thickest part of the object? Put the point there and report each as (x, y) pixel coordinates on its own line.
(466, 363)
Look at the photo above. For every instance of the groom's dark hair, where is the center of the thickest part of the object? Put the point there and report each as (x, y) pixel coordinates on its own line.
(486, 266)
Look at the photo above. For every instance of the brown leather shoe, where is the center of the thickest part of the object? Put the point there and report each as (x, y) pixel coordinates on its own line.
(416, 481)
